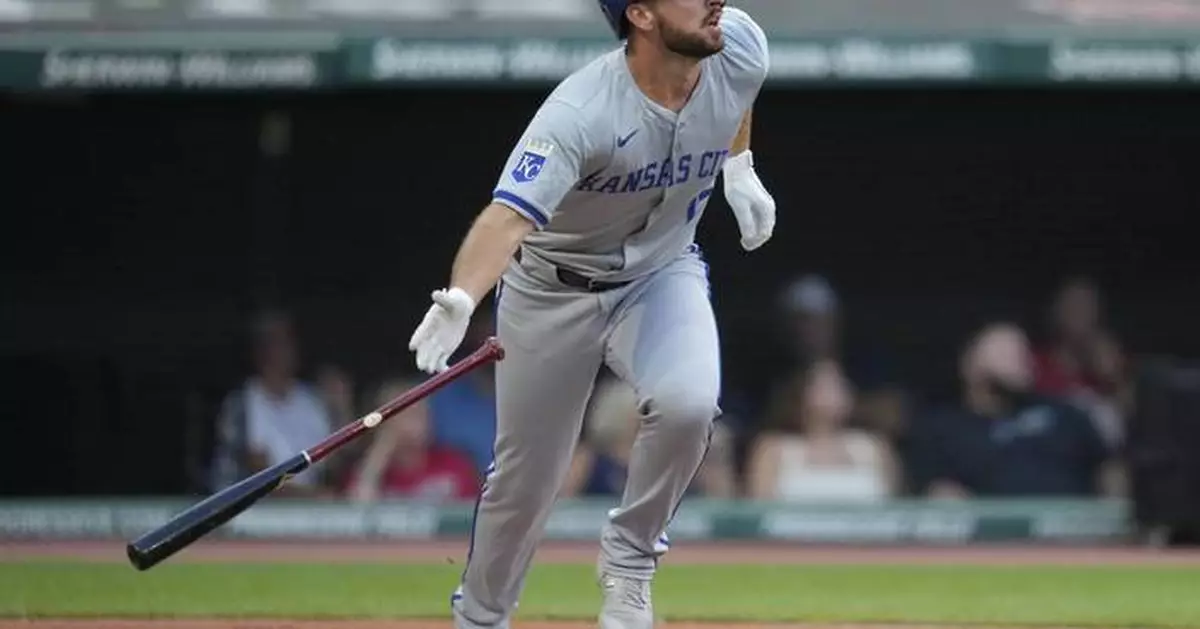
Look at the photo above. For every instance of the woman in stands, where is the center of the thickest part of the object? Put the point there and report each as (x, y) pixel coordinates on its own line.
(810, 454)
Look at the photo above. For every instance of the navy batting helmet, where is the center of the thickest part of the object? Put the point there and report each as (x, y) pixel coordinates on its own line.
(614, 12)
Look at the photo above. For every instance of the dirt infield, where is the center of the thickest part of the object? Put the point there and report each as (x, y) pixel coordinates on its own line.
(386, 624)
(453, 552)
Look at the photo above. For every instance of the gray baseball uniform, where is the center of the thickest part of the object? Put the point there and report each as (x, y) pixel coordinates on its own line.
(616, 185)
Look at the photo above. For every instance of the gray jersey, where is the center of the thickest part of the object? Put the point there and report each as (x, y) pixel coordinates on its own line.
(615, 182)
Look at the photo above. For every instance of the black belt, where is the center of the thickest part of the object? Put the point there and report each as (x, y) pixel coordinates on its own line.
(582, 282)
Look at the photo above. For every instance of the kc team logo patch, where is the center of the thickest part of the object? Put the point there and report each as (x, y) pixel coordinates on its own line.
(532, 160)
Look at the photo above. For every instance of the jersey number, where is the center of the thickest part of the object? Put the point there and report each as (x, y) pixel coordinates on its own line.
(697, 203)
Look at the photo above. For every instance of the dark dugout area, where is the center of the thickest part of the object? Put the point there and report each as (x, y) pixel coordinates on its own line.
(143, 229)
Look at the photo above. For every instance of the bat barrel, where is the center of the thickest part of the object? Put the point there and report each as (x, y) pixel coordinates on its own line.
(200, 519)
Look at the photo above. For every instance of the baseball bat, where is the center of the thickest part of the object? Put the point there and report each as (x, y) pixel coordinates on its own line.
(190, 525)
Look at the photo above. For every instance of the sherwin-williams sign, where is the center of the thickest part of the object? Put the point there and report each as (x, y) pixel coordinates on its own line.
(899, 522)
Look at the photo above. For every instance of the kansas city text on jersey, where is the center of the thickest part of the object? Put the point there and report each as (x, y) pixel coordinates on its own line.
(662, 174)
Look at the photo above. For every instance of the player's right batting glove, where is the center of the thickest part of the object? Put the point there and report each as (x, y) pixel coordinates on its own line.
(442, 329)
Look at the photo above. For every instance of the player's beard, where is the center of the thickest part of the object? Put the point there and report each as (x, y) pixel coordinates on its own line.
(692, 45)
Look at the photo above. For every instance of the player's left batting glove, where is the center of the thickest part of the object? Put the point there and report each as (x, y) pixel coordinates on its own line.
(442, 329)
(752, 205)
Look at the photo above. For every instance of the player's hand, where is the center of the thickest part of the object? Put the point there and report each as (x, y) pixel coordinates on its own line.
(752, 205)
(442, 329)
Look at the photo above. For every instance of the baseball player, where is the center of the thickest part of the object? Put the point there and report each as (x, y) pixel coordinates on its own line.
(589, 244)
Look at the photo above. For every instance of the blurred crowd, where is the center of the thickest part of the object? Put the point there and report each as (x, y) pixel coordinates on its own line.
(1038, 413)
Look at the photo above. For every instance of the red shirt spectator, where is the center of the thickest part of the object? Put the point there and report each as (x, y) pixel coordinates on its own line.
(402, 461)
(443, 475)
(1053, 377)
(1082, 356)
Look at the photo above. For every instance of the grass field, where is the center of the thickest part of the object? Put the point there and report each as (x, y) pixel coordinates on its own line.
(1027, 595)
(409, 587)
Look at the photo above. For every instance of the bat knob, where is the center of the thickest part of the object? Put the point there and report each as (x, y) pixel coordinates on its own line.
(493, 348)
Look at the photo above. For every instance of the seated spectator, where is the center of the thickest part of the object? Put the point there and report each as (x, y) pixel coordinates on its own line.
(814, 332)
(602, 457)
(808, 452)
(1082, 362)
(336, 388)
(813, 315)
(1004, 439)
(402, 462)
(273, 415)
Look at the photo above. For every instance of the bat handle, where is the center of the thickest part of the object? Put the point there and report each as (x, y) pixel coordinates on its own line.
(491, 349)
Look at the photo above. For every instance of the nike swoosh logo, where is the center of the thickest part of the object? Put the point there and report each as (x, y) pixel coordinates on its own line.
(621, 142)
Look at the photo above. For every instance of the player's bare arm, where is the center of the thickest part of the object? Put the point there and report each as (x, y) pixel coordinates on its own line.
(541, 169)
(752, 205)
(746, 60)
(741, 142)
(481, 260)
(487, 249)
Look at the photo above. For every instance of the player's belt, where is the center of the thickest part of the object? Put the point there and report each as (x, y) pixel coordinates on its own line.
(575, 280)
(582, 282)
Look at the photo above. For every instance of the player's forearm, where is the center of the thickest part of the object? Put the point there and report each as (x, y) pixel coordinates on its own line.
(741, 141)
(487, 249)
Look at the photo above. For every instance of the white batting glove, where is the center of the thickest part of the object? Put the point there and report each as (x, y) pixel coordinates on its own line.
(752, 205)
(442, 329)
